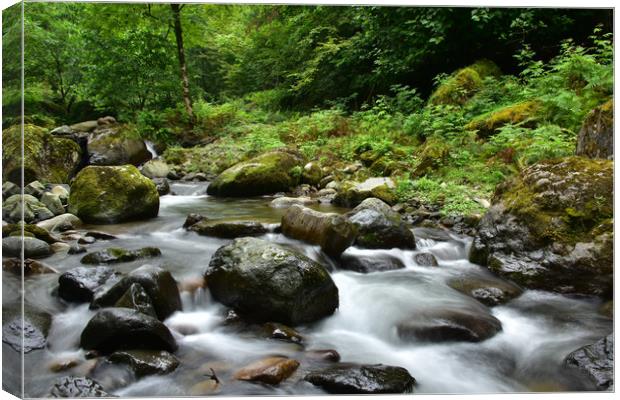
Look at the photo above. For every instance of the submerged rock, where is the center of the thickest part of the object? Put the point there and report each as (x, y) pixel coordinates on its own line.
(32, 335)
(426, 260)
(596, 361)
(72, 387)
(272, 370)
(488, 291)
(228, 229)
(552, 228)
(263, 281)
(367, 263)
(106, 195)
(146, 362)
(362, 379)
(331, 231)
(79, 284)
(378, 227)
(449, 325)
(114, 329)
(272, 172)
(113, 255)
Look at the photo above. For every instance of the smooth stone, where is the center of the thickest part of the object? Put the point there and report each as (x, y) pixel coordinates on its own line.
(425, 260)
(362, 379)
(324, 355)
(30, 267)
(146, 362)
(489, 291)
(60, 247)
(80, 283)
(228, 230)
(285, 202)
(370, 263)
(271, 370)
(53, 203)
(61, 223)
(113, 255)
(33, 248)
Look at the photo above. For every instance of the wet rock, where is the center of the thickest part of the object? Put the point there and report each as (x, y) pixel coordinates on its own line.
(33, 210)
(33, 248)
(350, 194)
(60, 247)
(60, 223)
(72, 387)
(272, 370)
(379, 227)
(323, 355)
(105, 195)
(111, 146)
(362, 379)
(136, 298)
(488, 291)
(63, 365)
(268, 173)
(100, 235)
(86, 240)
(29, 230)
(77, 249)
(158, 283)
(155, 169)
(286, 202)
(192, 219)
(596, 137)
(79, 284)
(228, 229)
(425, 260)
(326, 196)
(282, 332)
(370, 263)
(449, 325)
(32, 335)
(162, 185)
(53, 203)
(113, 255)
(115, 329)
(146, 362)
(545, 231)
(205, 388)
(266, 282)
(329, 230)
(596, 361)
(30, 267)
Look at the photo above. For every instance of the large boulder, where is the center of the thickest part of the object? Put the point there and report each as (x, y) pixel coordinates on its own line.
(524, 113)
(348, 378)
(463, 84)
(155, 169)
(115, 329)
(350, 194)
(596, 137)
(263, 281)
(33, 210)
(596, 362)
(333, 232)
(33, 247)
(271, 172)
(46, 158)
(551, 228)
(136, 298)
(79, 284)
(158, 284)
(106, 195)
(378, 227)
(115, 146)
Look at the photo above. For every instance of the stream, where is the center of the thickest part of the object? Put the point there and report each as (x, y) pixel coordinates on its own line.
(538, 328)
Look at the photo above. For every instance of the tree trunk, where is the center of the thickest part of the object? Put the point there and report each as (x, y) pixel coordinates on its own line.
(178, 33)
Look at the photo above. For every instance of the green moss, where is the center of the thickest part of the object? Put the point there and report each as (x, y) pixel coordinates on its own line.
(29, 230)
(486, 68)
(520, 113)
(457, 89)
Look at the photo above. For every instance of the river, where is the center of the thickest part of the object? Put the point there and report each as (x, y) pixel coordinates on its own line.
(538, 328)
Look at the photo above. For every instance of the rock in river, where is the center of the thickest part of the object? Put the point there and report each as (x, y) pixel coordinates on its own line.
(362, 379)
(489, 291)
(367, 263)
(36, 325)
(271, 370)
(146, 362)
(228, 229)
(106, 195)
(72, 387)
(265, 282)
(136, 298)
(33, 248)
(113, 329)
(113, 255)
(79, 284)
(378, 227)
(596, 361)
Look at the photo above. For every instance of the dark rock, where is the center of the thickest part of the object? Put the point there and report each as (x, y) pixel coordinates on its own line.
(265, 282)
(379, 227)
(488, 291)
(86, 240)
(136, 298)
(146, 362)
(30, 267)
(362, 379)
(271, 370)
(158, 283)
(324, 355)
(117, 255)
(193, 219)
(72, 387)
(373, 263)
(162, 185)
(100, 235)
(596, 361)
(596, 137)
(77, 249)
(228, 230)
(330, 231)
(33, 335)
(449, 325)
(125, 329)
(33, 248)
(79, 284)
(282, 332)
(425, 260)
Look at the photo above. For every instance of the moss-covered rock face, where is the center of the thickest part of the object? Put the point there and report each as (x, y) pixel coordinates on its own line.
(464, 83)
(106, 195)
(350, 194)
(115, 146)
(521, 113)
(46, 158)
(596, 137)
(552, 227)
(268, 173)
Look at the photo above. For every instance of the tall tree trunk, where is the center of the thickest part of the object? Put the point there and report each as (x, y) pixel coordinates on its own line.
(178, 33)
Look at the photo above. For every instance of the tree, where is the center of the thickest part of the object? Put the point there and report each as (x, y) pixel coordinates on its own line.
(178, 33)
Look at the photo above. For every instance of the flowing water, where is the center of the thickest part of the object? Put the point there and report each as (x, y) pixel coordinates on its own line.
(539, 328)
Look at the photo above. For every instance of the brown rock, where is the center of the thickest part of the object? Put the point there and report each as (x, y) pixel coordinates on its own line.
(272, 370)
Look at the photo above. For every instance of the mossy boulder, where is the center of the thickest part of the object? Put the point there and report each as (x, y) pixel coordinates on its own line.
(312, 174)
(46, 158)
(113, 255)
(269, 173)
(524, 113)
(463, 84)
(433, 155)
(596, 137)
(106, 195)
(33, 210)
(378, 227)
(116, 146)
(265, 282)
(350, 194)
(552, 227)
(36, 231)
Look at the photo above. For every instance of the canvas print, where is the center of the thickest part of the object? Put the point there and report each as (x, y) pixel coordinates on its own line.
(241, 200)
